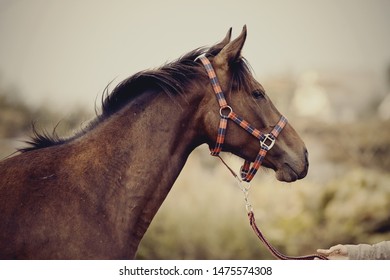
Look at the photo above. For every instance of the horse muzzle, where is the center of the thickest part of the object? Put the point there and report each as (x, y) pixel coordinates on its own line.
(292, 170)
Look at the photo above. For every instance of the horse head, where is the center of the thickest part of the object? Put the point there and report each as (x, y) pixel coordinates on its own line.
(248, 99)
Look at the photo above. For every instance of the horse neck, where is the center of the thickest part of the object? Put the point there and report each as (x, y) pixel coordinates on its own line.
(137, 154)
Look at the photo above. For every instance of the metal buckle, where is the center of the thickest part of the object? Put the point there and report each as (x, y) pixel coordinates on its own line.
(267, 141)
(228, 109)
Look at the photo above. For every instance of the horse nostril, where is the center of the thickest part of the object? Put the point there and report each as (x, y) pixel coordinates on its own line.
(306, 159)
(305, 166)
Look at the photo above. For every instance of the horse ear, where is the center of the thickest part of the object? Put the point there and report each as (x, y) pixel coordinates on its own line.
(226, 40)
(232, 51)
(214, 50)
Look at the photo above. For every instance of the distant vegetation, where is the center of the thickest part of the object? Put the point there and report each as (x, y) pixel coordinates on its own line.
(17, 119)
(14, 115)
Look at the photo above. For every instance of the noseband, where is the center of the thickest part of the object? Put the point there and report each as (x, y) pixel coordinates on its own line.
(267, 140)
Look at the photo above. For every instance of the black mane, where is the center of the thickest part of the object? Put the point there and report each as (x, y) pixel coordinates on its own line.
(171, 78)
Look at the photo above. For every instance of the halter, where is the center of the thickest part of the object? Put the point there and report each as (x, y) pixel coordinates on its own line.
(267, 140)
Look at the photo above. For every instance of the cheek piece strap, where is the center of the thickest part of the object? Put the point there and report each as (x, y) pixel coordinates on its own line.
(266, 140)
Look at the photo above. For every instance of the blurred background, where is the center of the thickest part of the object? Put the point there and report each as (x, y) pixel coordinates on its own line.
(325, 64)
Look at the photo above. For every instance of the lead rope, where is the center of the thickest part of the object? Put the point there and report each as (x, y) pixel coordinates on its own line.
(259, 234)
(272, 249)
(245, 187)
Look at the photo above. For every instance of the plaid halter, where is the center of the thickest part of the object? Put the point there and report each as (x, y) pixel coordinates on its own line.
(267, 140)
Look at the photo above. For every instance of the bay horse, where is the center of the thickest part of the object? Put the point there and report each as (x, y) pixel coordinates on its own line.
(94, 195)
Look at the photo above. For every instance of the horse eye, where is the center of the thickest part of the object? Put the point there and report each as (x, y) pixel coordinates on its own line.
(258, 94)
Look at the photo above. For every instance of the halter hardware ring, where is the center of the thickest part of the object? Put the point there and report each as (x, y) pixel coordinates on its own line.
(267, 141)
(230, 110)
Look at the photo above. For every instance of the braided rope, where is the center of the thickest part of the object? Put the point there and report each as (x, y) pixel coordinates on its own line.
(272, 249)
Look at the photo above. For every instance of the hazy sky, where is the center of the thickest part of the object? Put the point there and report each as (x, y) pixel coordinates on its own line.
(66, 52)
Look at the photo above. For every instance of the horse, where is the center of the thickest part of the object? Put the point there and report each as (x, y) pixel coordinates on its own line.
(93, 195)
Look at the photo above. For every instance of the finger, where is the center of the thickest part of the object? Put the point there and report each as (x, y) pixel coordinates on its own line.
(339, 250)
(324, 251)
(336, 247)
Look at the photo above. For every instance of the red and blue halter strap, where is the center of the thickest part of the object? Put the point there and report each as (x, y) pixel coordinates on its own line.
(266, 140)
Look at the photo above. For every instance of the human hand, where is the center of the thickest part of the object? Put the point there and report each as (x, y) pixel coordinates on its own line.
(338, 252)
